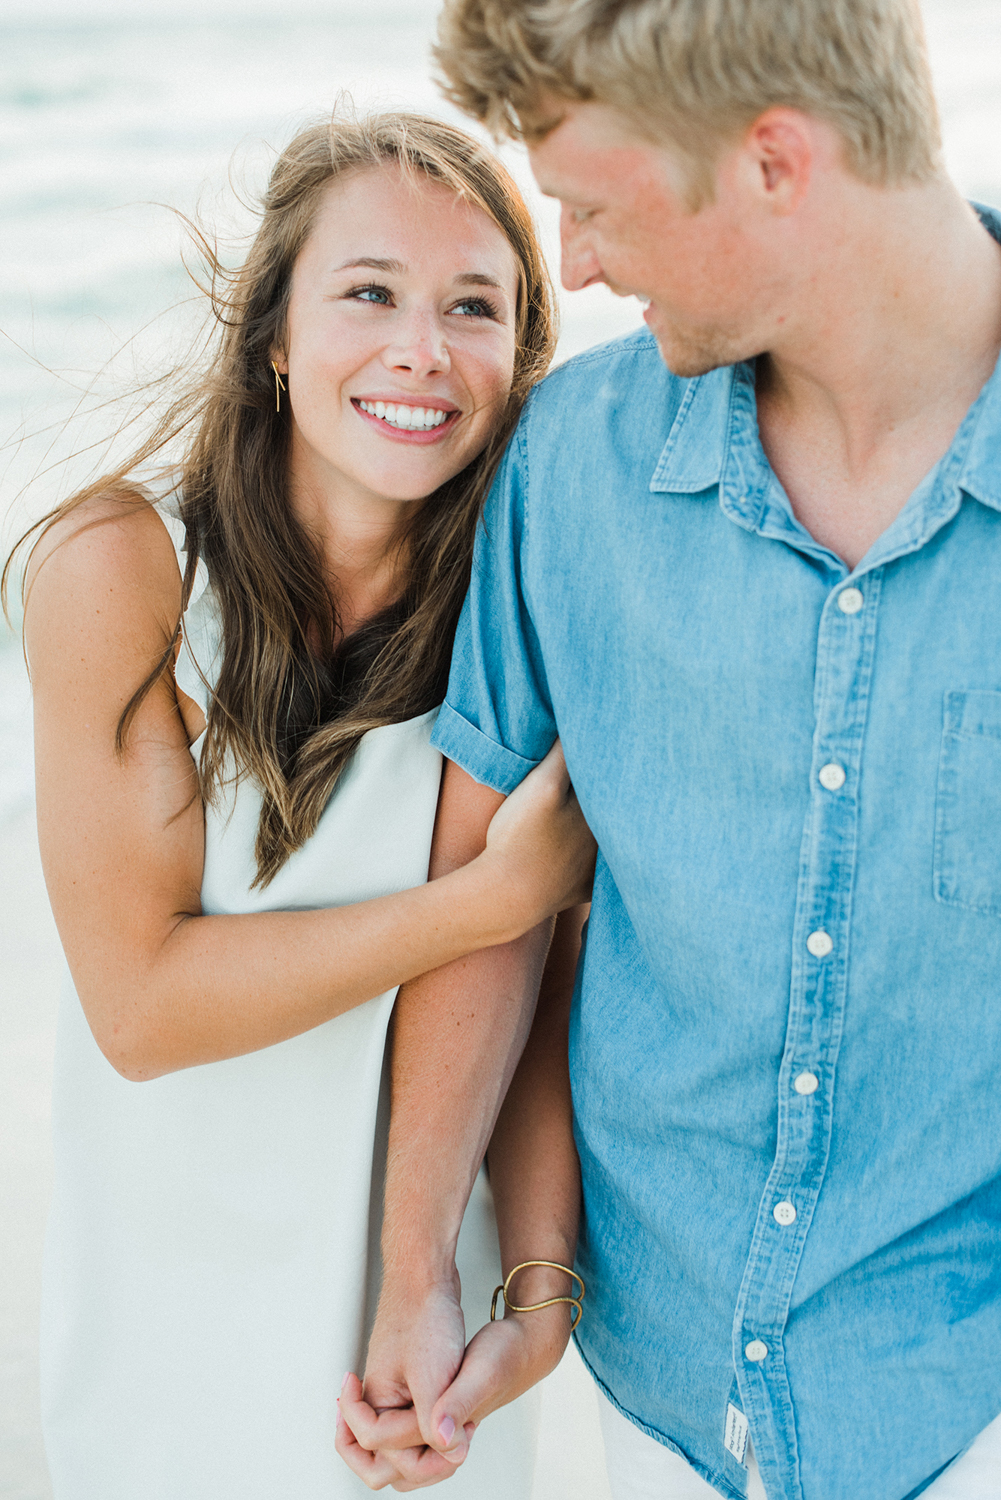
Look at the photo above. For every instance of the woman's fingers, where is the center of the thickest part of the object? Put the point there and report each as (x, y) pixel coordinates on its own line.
(405, 1469)
(545, 848)
(386, 1447)
(387, 1428)
(374, 1469)
(420, 1467)
(553, 768)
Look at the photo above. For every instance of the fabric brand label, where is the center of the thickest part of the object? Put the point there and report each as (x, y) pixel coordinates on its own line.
(735, 1440)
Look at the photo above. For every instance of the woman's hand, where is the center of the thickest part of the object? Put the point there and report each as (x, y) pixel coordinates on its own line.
(540, 845)
(384, 1430)
(386, 1443)
(502, 1361)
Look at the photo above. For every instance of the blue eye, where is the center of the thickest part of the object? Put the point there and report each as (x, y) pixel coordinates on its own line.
(476, 307)
(378, 294)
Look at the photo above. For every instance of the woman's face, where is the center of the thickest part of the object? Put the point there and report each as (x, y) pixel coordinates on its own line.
(401, 339)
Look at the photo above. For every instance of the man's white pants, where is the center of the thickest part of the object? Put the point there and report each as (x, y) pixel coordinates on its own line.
(641, 1469)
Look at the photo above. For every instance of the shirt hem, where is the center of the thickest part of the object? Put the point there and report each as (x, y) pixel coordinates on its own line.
(718, 1481)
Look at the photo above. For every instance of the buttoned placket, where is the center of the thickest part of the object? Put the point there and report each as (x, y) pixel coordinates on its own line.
(846, 646)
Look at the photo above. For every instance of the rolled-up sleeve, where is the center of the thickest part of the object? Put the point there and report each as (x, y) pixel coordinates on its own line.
(497, 721)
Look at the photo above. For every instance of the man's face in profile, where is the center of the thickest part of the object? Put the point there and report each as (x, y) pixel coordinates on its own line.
(626, 220)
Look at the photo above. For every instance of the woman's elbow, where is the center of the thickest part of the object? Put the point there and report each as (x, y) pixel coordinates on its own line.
(134, 1047)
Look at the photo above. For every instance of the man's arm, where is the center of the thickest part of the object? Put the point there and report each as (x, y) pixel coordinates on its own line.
(457, 1035)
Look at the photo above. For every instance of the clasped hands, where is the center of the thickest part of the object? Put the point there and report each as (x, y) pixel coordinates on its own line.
(425, 1392)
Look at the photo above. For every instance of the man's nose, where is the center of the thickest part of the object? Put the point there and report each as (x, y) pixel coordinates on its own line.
(579, 266)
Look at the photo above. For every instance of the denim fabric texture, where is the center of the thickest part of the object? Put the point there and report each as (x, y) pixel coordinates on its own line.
(786, 1037)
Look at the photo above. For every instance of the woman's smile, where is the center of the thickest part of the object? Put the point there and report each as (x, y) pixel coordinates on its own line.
(404, 421)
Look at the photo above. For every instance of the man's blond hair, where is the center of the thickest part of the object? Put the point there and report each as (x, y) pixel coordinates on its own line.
(697, 73)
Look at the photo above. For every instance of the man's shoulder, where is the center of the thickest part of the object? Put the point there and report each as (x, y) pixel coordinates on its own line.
(629, 349)
(623, 371)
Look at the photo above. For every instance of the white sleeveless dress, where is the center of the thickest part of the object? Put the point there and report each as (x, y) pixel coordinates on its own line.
(212, 1257)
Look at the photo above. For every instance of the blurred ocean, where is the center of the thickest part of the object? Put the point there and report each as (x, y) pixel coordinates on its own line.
(110, 109)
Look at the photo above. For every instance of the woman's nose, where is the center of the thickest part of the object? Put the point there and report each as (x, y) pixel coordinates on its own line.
(420, 346)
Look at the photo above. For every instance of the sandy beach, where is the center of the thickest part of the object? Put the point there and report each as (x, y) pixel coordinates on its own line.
(107, 110)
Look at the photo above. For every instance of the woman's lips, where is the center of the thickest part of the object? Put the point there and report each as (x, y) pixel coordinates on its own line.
(392, 418)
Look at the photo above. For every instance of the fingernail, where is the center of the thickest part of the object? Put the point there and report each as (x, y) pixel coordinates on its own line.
(446, 1430)
(345, 1380)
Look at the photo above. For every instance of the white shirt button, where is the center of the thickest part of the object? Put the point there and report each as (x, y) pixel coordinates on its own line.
(806, 1083)
(850, 601)
(832, 777)
(820, 943)
(756, 1351)
(784, 1213)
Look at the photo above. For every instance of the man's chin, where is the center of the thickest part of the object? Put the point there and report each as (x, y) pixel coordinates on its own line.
(689, 355)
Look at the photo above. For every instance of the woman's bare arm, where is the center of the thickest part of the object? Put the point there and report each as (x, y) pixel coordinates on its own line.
(122, 841)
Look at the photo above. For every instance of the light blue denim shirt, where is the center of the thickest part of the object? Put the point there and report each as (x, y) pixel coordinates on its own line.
(786, 1039)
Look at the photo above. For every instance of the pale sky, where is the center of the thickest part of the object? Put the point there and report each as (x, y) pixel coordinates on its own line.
(21, 11)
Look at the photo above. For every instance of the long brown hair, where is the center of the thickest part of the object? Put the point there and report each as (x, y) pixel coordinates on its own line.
(291, 702)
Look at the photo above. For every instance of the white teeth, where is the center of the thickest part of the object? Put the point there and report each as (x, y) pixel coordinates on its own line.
(406, 418)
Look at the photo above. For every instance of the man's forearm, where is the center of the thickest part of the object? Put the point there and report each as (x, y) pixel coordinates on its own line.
(458, 1035)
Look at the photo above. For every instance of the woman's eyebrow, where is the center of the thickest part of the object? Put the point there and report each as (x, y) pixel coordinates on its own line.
(374, 263)
(397, 268)
(478, 278)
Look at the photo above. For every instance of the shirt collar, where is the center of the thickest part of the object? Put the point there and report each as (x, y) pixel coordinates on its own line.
(980, 474)
(693, 456)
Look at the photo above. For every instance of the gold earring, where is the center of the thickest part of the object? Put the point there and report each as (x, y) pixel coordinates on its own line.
(279, 387)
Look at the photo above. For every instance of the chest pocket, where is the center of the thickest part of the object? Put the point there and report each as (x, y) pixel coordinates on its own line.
(968, 804)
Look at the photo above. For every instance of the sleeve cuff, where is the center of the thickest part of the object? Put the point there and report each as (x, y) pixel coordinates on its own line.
(487, 762)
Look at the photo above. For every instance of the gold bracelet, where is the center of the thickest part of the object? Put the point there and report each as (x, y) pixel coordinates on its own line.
(574, 1302)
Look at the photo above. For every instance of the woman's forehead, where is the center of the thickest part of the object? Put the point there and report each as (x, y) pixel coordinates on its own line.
(403, 220)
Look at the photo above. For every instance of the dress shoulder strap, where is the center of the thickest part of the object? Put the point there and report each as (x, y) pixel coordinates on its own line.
(175, 530)
(198, 660)
(168, 509)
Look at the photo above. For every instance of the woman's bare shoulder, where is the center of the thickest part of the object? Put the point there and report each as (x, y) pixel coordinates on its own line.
(106, 532)
(109, 563)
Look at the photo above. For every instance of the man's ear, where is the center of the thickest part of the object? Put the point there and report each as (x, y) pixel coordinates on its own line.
(780, 149)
